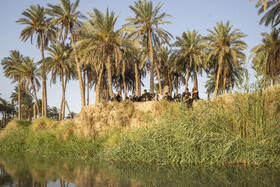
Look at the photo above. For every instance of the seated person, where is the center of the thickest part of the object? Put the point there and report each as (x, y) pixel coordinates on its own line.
(145, 96)
(134, 97)
(151, 96)
(186, 96)
(131, 98)
(113, 98)
(177, 98)
(158, 97)
(195, 94)
(119, 97)
(167, 97)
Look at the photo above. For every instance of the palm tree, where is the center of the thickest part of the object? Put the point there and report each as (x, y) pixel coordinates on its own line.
(144, 26)
(272, 12)
(190, 54)
(8, 64)
(137, 57)
(54, 114)
(225, 47)
(99, 39)
(29, 73)
(38, 24)
(265, 56)
(7, 111)
(264, 3)
(60, 65)
(66, 17)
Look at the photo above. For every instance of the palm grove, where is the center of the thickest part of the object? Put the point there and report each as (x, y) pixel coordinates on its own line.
(92, 50)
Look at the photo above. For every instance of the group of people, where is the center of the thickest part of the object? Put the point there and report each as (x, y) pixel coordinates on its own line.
(186, 97)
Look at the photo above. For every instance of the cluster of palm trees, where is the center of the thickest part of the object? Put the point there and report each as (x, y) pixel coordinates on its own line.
(102, 57)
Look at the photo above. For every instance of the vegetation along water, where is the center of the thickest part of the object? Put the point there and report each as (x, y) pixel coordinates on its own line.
(137, 143)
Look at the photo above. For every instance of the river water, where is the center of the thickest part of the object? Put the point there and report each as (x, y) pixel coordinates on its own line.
(30, 170)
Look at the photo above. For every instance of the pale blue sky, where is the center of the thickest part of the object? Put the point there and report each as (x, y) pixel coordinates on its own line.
(187, 14)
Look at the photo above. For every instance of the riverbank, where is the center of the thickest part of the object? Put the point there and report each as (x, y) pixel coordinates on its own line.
(233, 129)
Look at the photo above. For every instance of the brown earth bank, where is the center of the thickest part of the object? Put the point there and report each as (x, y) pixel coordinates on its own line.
(104, 118)
(97, 120)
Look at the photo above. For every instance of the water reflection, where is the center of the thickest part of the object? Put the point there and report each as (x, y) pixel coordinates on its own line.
(26, 170)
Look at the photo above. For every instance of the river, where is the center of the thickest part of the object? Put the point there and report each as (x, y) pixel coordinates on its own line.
(31, 170)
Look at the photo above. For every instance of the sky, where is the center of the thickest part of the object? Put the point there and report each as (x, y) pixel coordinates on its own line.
(186, 14)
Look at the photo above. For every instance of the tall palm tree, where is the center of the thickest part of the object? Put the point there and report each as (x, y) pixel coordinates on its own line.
(145, 26)
(137, 57)
(8, 64)
(225, 47)
(29, 73)
(264, 3)
(60, 65)
(102, 41)
(190, 54)
(165, 67)
(266, 56)
(271, 10)
(66, 16)
(38, 24)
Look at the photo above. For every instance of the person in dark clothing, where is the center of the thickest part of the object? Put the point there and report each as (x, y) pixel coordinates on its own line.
(151, 96)
(131, 98)
(145, 96)
(187, 97)
(177, 98)
(195, 94)
(167, 97)
(134, 97)
(119, 97)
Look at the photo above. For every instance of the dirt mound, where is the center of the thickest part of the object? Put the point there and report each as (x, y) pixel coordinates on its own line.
(95, 120)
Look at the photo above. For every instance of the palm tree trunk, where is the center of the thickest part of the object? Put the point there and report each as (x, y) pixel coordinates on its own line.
(224, 84)
(60, 110)
(44, 84)
(87, 88)
(97, 88)
(64, 100)
(195, 83)
(177, 85)
(34, 112)
(124, 81)
(84, 81)
(152, 63)
(218, 80)
(187, 76)
(159, 77)
(169, 84)
(136, 79)
(19, 101)
(35, 97)
(78, 67)
(62, 89)
(69, 110)
(109, 72)
(63, 109)
(139, 84)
